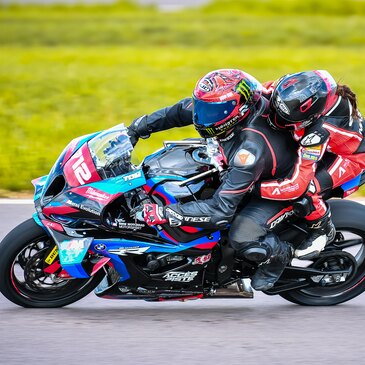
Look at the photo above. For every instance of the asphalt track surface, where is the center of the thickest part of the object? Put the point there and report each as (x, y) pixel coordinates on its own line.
(263, 330)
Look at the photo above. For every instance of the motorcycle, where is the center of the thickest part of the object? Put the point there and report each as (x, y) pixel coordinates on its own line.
(88, 234)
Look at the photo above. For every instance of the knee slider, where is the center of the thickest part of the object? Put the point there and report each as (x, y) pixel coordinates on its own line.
(257, 251)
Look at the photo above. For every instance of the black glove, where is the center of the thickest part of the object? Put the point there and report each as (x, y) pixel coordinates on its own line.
(138, 129)
(133, 135)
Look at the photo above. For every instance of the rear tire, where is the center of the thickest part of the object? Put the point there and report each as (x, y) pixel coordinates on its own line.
(22, 280)
(348, 217)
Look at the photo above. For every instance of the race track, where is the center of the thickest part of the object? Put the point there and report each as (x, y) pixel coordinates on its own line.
(265, 330)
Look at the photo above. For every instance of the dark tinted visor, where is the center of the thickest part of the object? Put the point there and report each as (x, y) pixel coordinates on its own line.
(207, 113)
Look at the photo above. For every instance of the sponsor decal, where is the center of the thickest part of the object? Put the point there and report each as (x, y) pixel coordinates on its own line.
(341, 171)
(206, 85)
(281, 218)
(174, 214)
(177, 218)
(316, 225)
(73, 204)
(97, 195)
(281, 105)
(201, 260)
(226, 96)
(124, 251)
(197, 219)
(349, 192)
(244, 89)
(132, 176)
(73, 251)
(311, 153)
(311, 139)
(290, 188)
(122, 224)
(100, 247)
(210, 131)
(244, 158)
(230, 136)
(89, 210)
(52, 255)
(243, 109)
(287, 189)
(80, 169)
(182, 277)
(82, 207)
(223, 127)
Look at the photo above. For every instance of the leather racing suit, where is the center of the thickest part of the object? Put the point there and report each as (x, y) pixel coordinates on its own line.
(340, 135)
(251, 153)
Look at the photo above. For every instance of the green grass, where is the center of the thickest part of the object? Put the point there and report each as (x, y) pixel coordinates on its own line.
(67, 71)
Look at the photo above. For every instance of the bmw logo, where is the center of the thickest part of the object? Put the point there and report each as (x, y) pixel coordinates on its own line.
(100, 247)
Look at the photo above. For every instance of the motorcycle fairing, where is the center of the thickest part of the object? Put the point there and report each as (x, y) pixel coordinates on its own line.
(73, 146)
(72, 251)
(122, 183)
(80, 168)
(351, 186)
(66, 154)
(117, 248)
(88, 201)
(39, 184)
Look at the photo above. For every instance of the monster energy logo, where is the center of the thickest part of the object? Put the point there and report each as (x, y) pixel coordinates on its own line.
(210, 131)
(244, 89)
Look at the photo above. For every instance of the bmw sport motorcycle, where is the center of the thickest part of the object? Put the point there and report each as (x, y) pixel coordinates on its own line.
(88, 234)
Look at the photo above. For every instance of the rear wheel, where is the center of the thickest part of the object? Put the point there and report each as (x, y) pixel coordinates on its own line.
(22, 277)
(348, 217)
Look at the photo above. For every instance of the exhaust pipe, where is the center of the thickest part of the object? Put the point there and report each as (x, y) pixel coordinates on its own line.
(239, 289)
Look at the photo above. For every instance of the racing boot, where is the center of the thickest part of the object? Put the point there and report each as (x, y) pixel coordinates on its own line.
(321, 232)
(269, 271)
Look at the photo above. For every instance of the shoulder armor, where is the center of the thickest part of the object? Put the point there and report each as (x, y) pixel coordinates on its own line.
(314, 136)
(243, 158)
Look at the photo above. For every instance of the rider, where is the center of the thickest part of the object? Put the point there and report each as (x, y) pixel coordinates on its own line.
(228, 105)
(322, 116)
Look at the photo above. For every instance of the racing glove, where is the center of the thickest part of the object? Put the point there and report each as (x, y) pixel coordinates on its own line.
(138, 129)
(133, 136)
(153, 214)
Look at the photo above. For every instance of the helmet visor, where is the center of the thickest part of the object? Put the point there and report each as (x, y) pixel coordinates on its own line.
(208, 113)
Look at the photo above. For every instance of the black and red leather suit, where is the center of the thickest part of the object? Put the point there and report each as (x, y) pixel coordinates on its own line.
(253, 151)
(334, 146)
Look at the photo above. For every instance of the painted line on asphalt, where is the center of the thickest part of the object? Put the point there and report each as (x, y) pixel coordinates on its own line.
(30, 201)
(16, 201)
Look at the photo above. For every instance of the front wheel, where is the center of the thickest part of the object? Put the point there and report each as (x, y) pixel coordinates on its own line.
(22, 277)
(348, 217)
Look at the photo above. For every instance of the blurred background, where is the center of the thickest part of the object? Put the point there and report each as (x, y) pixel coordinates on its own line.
(71, 68)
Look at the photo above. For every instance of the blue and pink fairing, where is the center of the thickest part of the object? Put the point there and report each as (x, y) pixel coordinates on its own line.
(84, 196)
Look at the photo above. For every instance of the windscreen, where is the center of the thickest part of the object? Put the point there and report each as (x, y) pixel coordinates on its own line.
(110, 146)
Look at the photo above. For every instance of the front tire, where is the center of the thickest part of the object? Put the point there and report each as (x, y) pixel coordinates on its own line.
(22, 279)
(349, 219)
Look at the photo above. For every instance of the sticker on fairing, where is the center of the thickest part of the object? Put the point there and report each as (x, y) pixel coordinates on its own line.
(52, 255)
(311, 153)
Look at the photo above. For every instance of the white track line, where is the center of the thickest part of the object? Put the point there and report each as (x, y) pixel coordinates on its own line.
(30, 201)
(16, 201)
